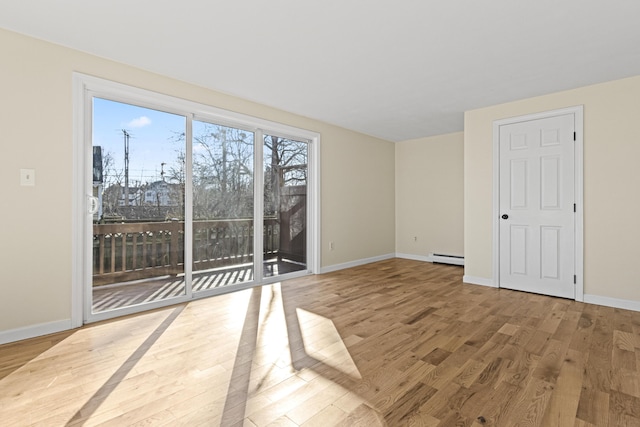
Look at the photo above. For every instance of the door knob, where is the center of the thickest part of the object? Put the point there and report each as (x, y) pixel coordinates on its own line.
(505, 216)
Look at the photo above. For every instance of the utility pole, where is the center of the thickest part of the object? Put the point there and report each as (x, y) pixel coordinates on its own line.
(162, 170)
(126, 166)
(224, 163)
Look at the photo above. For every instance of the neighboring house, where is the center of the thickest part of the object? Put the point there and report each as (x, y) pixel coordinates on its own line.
(161, 193)
(154, 201)
(135, 196)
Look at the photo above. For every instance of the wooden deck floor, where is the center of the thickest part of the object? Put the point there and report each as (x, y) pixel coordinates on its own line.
(110, 297)
(394, 343)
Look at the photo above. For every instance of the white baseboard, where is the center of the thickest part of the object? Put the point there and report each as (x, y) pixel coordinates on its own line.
(482, 281)
(612, 302)
(34, 331)
(414, 257)
(432, 258)
(336, 267)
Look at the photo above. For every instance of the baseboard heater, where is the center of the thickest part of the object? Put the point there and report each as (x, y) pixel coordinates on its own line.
(447, 259)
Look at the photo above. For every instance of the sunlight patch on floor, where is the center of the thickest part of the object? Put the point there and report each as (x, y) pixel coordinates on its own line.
(323, 342)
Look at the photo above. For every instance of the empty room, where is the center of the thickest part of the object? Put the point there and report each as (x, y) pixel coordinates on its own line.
(319, 214)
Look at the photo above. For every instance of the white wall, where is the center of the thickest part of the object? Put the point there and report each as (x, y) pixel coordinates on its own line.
(357, 175)
(429, 196)
(365, 182)
(611, 184)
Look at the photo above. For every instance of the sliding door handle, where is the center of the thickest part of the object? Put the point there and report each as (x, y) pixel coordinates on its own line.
(94, 205)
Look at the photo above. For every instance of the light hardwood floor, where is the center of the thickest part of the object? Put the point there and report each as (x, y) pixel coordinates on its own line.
(397, 343)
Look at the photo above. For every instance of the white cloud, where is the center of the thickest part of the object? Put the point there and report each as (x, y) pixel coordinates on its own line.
(139, 122)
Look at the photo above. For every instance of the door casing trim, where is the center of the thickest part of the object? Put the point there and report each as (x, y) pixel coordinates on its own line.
(578, 113)
(82, 86)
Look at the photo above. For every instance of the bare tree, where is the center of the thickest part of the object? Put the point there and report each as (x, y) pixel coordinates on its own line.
(285, 165)
(112, 179)
(222, 172)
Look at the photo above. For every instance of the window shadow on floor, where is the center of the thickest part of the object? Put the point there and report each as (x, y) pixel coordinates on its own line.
(236, 401)
(239, 391)
(114, 381)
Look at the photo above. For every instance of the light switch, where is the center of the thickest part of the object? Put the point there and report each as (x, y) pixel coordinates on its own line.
(27, 177)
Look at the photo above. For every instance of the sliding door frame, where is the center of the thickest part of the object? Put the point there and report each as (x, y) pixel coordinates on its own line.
(85, 88)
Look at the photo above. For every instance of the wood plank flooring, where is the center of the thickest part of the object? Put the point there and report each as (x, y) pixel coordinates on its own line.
(394, 343)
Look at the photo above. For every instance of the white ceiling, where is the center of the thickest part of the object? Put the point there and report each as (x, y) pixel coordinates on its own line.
(398, 69)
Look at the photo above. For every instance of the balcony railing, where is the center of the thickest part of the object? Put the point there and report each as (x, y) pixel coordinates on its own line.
(132, 251)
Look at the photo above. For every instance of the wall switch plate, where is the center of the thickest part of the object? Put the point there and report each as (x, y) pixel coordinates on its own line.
(27, 177)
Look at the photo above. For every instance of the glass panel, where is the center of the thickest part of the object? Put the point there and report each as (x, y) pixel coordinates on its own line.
(285, 205)
(138, 183)
(222, 206)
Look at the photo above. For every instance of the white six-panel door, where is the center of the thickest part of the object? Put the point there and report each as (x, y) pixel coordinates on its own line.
(536, 206)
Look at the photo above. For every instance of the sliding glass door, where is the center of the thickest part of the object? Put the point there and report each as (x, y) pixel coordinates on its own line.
(285, 205)
(138, 203)
(176, 209)
(223, 199)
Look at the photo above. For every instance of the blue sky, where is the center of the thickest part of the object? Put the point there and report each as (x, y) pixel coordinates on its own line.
(152, 140)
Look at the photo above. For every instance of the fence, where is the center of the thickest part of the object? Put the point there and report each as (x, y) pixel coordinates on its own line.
(132, 251)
